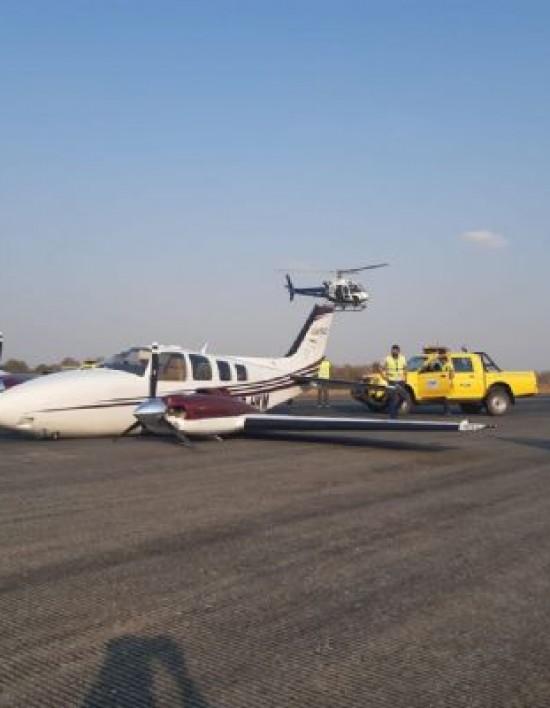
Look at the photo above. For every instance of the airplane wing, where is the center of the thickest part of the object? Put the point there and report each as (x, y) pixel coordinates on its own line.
(269, 421)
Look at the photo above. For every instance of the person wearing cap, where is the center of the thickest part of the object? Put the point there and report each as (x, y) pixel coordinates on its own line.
(394, 369)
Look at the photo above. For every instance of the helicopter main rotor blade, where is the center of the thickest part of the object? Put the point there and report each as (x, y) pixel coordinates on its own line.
(343, 271)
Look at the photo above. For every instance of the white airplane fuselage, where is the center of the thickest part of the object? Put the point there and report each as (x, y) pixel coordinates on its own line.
(102, 401)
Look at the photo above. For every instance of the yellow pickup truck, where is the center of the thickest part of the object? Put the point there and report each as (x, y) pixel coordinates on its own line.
(474, 383)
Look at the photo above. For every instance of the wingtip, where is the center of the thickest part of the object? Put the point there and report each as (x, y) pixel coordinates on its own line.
(466, 426)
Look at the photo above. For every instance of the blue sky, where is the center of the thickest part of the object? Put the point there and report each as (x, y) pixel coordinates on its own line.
(161, 160)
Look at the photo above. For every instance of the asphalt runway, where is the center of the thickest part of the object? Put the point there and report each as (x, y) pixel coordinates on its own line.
(360, 570)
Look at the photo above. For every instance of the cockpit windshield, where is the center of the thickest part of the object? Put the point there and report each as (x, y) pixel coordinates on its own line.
(133, 361)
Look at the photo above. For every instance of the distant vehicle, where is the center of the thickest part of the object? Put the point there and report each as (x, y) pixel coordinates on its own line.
(343, 292)
(476, 383)
(90, 363)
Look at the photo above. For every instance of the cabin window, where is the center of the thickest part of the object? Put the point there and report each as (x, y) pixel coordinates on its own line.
(172, 367)
(462, 364)
(488, 363)
(242, 373)
(202, 370)
(224, 370)
(432, 366)
(416, 363)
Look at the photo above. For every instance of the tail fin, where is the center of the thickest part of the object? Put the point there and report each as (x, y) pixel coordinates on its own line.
(310, 344)
(290, 287)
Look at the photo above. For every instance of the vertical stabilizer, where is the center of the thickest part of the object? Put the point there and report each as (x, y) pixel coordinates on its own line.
(309, 347)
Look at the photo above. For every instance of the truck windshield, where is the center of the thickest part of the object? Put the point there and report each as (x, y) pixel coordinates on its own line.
(133, 361)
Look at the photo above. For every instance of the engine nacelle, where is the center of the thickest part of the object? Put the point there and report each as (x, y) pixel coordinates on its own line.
(207, 413)
(215, 413)
(198, 406)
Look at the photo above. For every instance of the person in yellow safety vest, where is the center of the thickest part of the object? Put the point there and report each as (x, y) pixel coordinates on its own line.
(394, 369)
(322, 387)
(447, 367)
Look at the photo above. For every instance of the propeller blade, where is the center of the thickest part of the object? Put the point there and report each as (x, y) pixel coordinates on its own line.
(152, 416)
(154, 370)
(182, 438)
(135, 425)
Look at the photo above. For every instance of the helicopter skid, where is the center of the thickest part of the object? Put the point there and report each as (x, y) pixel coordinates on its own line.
(349, 308)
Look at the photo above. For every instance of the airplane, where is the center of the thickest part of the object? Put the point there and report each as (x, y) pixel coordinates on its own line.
(169, 390)
(342, 292)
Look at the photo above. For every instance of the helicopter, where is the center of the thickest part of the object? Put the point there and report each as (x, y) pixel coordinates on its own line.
(344, 293)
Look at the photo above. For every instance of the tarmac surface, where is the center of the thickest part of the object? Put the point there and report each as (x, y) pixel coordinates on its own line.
(397, 570)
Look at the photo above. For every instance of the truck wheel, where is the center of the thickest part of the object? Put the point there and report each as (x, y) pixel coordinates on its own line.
(471, 408)
(498, 401)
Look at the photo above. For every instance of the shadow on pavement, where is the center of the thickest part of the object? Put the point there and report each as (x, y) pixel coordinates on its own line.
(127, 677)
(538, 443)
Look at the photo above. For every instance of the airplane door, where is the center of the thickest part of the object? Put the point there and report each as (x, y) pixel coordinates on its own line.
(466, 383)
(434, 384)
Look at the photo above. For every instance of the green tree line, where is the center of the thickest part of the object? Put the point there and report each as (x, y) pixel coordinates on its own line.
(18, 366)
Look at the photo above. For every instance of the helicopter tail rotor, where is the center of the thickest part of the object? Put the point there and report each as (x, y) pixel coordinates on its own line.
(290, 287)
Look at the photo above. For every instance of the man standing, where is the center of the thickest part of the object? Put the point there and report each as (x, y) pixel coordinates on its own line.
(394, 369)
(447, 369)
(322, 386)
